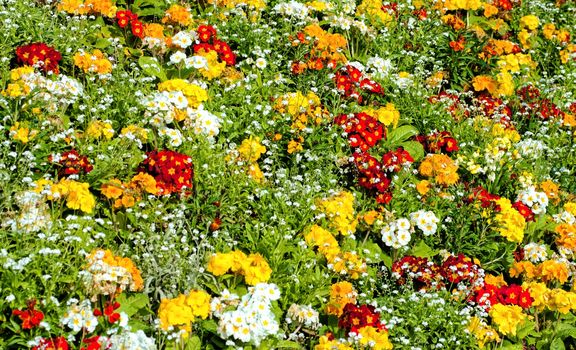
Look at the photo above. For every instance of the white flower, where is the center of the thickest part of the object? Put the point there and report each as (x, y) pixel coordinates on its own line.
(177, 57)
(261, 63)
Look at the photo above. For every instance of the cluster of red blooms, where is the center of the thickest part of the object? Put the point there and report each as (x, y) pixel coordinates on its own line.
(109, 312)
(435, 142)
(391, 8)
(488, 200)
(495, 108)
(58, 343)
(39, 53)
(351, 82)
(363, 130)
(127, 17)
(453, 104)
(506, 5)
(524, 210)
(172, 171)
(93, 343)
(458, 45)
(490, 295)
(533, 105)
(72, 163)
(422, 272)
(209, 42)
(425, 273)
(30, 317)
(355, 317)
(375, 175)
(459, 268)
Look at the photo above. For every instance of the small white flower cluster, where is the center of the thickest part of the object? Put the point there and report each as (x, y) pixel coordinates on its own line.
(196, 62)
(303, 315)
(397, 234)
(565, 217)
(184, 39)
(218, 304)
(530, 148)
(253, 320)
(535, 252)
(34, 213)
(537, 201)
(131, 341)
(53, 94)
(379, 67)
(293, 9)
(102, 279)
(80, 316)
(162, 109)
(425, 221)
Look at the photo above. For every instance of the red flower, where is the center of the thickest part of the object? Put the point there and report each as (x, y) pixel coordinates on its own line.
(93, 343)
(524, 210)
(39, 54)
(30, 318)
(58, 343)
(124, 17)
(172, 171)
(205, 33)
(137, 28)
(72, 163)
(394, 160)
(203, 47)
(355, 317)
(458, 45)
(525, 300)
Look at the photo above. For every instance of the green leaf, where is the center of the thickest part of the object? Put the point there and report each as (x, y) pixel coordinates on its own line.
(414, 148)
(526, 328)
(557, 344)
(401, 134)
(209, 326)
(422, 250)
(102, 43)
(131, 305)
(374, 252)
(565, 330)
(194, 343)
(286, 344)
(152, 67)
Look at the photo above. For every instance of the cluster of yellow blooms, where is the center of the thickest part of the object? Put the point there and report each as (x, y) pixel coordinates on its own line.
(136, 131)
(387, 115)
(177, 14)
(18, 86)
(372, 9)
(183, 310)
(127, 194)
(482, 332)
(327, 46)
(341, 262)
(195, 94)
(253, 267)
(547, 271)
(502, 85)
(215, 68)
(452, 5)
(250, 151)
(301, 108)
(341, 293)
(98, 128)
(511, 223)
(551, 33)
(255, 4)
(92, 7)
(22, 133)
(553, 299)
(339, 209)
(94, 62)
(370, 338)
(507, 318)
(77, 194)
(441, 167)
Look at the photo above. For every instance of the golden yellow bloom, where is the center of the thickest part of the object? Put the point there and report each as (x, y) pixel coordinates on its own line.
(77, 195)
(177, 14)
(113, 189)
(145, 182)
(22, 134)
(215, 68)
(423, 187)
(387, 115)
(497, 281)
(251, 149)
(194, 93)
(531, 22)
(507, 318)
(294, 147)
(551, 270)
(441, 167)
(255, 172)
(99, 128)
(341, 293)
(256, 269)
(94, 62)
(183, 310)
(482, 332)
(220, 263)
(374, 339)
(339, 209)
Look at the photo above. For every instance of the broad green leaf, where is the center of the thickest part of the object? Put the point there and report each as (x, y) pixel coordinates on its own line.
(414, 148)
(210, 326)
(422, 250)
(374, 252)
(193, 343)
(557, 344)
(286, 344)
(525, 329)
(565, 330)
(102, 43)
(152, 67)
(401, 134)
(131, 305)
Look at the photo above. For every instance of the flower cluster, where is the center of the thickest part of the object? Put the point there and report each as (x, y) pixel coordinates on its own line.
(127, 17)
(362, 130)
(77, 194)
(172, 171)
(107, 274)
(351, 82)
(39, 55)
(127, 194)
(438, 142)
(93, 62)
(341, 294)
(325, 49)
(183, 310)
(440, 167)
(253, 267)
(490, 295)
(30, 317)
(252, 321)
(71, 163)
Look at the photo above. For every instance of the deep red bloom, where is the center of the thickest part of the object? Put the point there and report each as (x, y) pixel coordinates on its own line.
(172, 171)
(93, 343)
(524, 210)
(137, 28)
(58, 343)
(39, 53)
(30, 317)
(72, 163)
(205, 33)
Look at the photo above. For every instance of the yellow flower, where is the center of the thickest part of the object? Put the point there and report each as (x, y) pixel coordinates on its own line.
(98, 128)
(255, 173)
(374, 338)
(482, 332)
(182, 311)
(423, 187)
(215, 68)
(251, 149)
(77, 195)
(324, 240)
(294, 146)
(490, 10)
(497, 281)
(199, 302)
(256, 269)
(22, 134)
(94, 62)
(194, 93)
(511, 222)
(387, 115)
(531, 22)
(507, 318)
(177, 14)
(339, 209)
(341, 293)
(551, 270)
(220, 263)
(113, 189)
(539, 292)
(144, 181)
